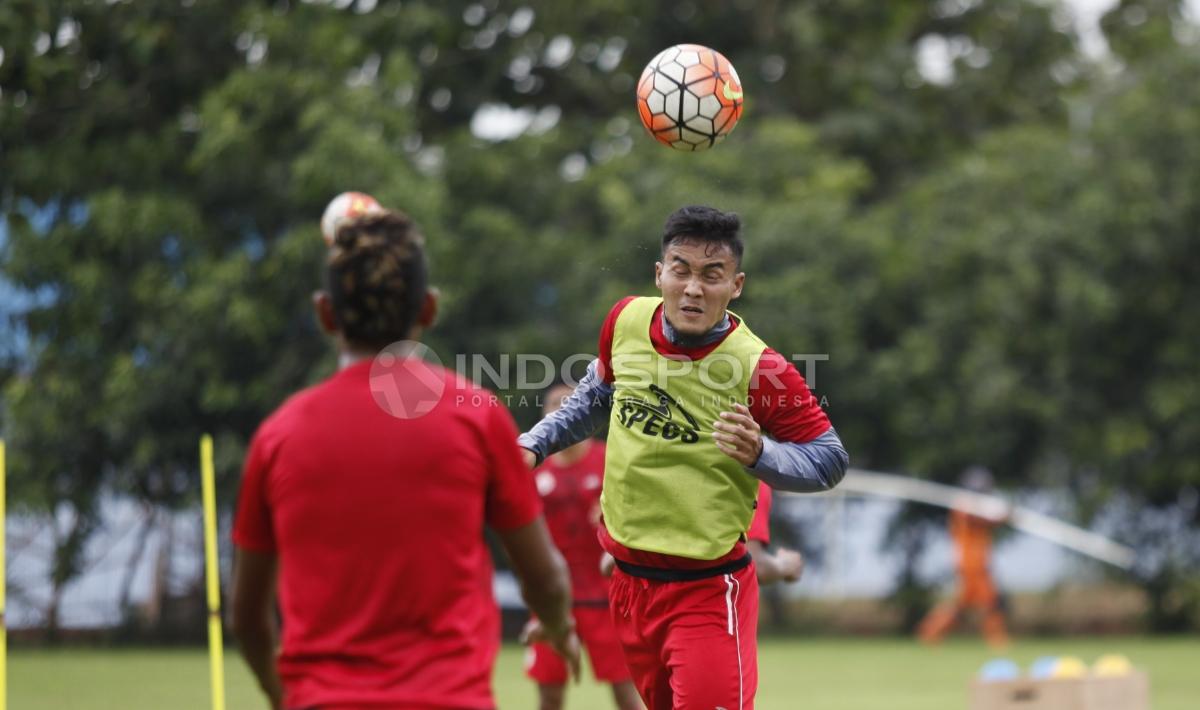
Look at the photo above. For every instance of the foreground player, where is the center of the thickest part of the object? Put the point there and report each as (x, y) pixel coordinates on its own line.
(569, 483)
(684, 454)
(371, 524)
(972, 536)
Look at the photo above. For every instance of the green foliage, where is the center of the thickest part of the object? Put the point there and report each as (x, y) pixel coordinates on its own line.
(997, 266)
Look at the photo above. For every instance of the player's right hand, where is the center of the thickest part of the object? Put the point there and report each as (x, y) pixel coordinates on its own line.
(530, 458)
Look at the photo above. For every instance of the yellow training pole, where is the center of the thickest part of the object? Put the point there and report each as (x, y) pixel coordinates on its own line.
(3, 587)
(211, 574)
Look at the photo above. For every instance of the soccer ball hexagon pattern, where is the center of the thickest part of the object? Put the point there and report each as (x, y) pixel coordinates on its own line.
(689, 97)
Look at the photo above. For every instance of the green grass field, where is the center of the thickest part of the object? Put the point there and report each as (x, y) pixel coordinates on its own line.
(819, 674)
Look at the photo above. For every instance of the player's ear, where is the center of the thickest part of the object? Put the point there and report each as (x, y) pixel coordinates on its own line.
(429, 308)
(739, 281)
(323, 306)
(658, 267)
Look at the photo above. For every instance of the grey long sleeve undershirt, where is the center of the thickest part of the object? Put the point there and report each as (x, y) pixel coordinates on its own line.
(580, 416)
(807, 467)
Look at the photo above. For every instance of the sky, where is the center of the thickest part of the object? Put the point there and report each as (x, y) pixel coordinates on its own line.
(1087, 13)
(1087, 18)
(1087, 22)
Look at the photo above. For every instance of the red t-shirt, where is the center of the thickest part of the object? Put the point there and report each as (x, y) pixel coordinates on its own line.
(780, 402)
(571, 499)
(385, 583)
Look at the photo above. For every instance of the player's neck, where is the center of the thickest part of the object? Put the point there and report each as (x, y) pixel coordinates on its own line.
(349, 355)
(714, 334)
(348, 358)
(572, 454)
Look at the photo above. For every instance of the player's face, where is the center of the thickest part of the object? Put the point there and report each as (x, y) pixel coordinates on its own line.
(697, 281)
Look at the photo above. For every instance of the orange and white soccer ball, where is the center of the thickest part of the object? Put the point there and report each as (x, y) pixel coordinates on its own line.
(689, 97)
(344, 207)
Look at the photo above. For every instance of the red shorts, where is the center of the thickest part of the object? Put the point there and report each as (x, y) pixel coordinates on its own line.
(690, 645)
(595, 629)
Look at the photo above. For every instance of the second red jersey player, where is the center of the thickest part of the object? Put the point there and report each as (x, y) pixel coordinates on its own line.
(569, 484)
(570, 491)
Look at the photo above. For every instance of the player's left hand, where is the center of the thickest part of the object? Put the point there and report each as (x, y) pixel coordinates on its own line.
(565, 644)
(738, 436)
(532, 633)
(791, 564)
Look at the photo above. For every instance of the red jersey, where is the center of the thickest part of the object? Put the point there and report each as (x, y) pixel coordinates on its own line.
(571, 499)
(385, 583)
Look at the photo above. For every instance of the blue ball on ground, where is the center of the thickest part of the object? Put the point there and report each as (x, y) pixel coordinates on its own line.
(999, 669)
(1043, 667)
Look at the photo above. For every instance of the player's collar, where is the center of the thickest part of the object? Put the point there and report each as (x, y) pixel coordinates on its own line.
(717, 332)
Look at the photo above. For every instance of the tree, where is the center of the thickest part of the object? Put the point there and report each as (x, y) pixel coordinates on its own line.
(956, 235)
(161, 186)
(1044, 339)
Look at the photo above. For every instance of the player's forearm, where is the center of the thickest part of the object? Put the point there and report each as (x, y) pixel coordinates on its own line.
(581, 414)
(550, 600)
(252, 613)
(542, 574)
(257, 640)
(807, 467)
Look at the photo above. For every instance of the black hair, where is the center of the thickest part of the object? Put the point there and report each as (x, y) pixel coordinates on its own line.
(705, 224)
(377, 278)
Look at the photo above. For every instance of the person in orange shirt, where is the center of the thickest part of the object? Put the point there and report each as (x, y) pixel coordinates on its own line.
(972, 536)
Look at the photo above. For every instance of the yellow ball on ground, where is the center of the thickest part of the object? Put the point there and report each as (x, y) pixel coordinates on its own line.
(1112, 664)
(1069, 667)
